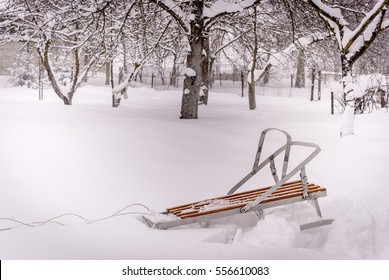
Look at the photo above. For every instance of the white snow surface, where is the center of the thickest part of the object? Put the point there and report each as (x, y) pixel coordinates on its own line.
(92, 160)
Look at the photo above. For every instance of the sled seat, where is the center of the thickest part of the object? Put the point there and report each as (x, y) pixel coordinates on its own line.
(287, 193)
(281, 193)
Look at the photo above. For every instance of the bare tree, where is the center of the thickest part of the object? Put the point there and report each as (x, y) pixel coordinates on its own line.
(60, 31)
(196, 19)
(143, 44)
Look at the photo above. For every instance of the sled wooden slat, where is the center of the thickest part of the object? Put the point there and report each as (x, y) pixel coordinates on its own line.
(250, 195)
(290, 184)
(239, 200)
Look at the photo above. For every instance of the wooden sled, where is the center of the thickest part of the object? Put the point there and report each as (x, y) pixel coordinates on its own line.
(281, 193)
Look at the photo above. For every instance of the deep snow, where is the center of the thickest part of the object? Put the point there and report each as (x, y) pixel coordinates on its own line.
(92, 160)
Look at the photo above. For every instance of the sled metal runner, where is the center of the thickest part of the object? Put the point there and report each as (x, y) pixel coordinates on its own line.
(282, 192)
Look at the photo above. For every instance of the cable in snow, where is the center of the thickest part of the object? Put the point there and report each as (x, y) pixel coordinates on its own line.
(119, 213)
(37, 224)
(52, 220)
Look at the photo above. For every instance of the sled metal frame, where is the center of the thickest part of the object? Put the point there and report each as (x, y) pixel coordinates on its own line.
(259, 204)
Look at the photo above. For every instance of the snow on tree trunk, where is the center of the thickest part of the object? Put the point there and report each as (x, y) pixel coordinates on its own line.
(348, 118)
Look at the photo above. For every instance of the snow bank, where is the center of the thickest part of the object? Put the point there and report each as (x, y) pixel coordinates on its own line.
(91, 160)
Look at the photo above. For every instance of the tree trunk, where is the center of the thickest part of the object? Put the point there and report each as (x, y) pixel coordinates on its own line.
(313, 82)
(76, 76)
(206, 72)
(348, 119)
(211, 72)
(117, 97)
(174, 71)
(125, 69)
(194, 61)
(266, 75)
(107, 73)
(252, 102)
(251, 86)
(300, 73)
(45, 61)
(86, 61)
(192, 84)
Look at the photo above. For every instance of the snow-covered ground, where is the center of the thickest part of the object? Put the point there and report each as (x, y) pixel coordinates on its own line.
(92, 160)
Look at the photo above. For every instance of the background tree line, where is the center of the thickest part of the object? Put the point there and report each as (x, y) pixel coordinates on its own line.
(74, 39)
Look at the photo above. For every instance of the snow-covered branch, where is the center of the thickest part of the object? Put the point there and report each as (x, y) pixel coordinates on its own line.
(220, 8)
(121, 89)
(331, 13)
(370, 24)
(231, 41)
(353, 43)
(175, 11)
(282, 57)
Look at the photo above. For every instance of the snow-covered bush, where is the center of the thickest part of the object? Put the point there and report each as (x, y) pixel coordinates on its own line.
(24, 72)
(369, 91)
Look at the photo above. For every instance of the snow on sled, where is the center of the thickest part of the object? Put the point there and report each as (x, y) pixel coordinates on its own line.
(281, 193)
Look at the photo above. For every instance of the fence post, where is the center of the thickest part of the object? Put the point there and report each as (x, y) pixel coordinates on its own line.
(242, 79)
(383, 101)
(120, 78)
(107, 74)
(319, 86)
(291, 80)
(40, 84)
(220, 78)
(212, 80)
(152, 80)
(332, 102)
(312, 83)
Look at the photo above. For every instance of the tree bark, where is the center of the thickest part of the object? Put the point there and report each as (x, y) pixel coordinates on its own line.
(125, 69)
(194, 61)
(173, 80)
(45, 61)
(251, 85)
(107, 73)
(300, 73)
(206, 71)
(313, 82)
